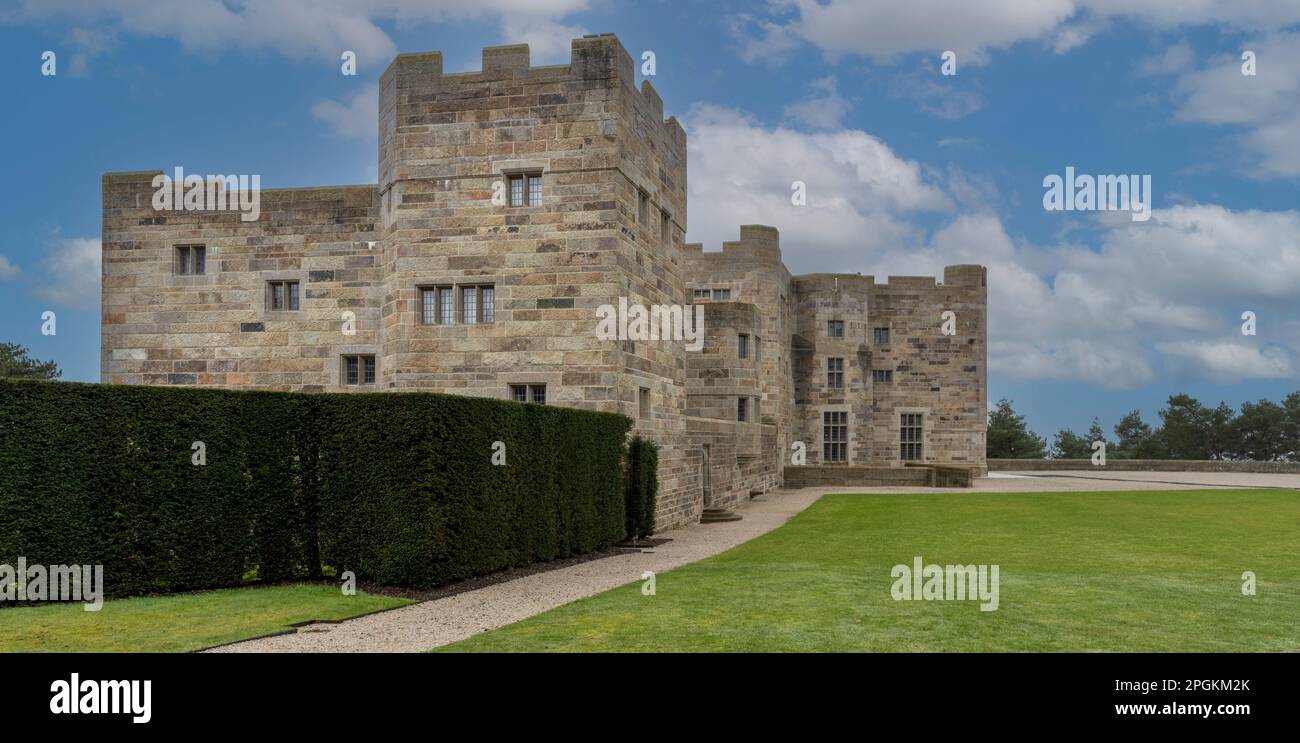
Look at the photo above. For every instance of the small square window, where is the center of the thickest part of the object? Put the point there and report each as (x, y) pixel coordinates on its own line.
(880, 336)
(835, 328)
(643, 402)
(282, 296)
(535, 393)
(358, 370)
(722, 295)
(882, 376)
(191, 260)
(525, 189)
(835, 373)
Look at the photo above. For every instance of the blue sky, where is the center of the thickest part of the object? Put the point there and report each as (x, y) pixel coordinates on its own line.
(1091, 314)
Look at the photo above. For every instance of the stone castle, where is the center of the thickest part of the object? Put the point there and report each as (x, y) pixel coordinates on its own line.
(511, 204)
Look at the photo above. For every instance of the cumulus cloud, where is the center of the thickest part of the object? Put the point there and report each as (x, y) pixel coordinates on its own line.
(1265, 108)
(882, 30)
(7, 269)
(353, 118)
(318, 29)
(824, 108)
(73, 273)
(1142, 301)
(548, 41)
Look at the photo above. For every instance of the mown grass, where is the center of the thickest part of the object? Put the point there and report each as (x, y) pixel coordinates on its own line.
(179, 623)
(1112, 571)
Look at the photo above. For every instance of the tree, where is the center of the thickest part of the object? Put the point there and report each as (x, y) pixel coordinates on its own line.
(1261, 433)
(1008, 438)
(15, 363)
(1070, 445)
(1193, 431)
(1136, 440)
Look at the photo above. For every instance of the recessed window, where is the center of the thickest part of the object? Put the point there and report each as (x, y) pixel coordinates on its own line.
(835, 436)
(909, 437)
(835, 373)
(642, 207)
(282, 296)
(880, 336)
(722, 295)
(535, 393)
(665, 227)
(643, 402)
(477, 304)
(446, 305)
(358, 370)
(742, 346)
(835, 328)
(191, 259)
(882, 376)
(701, 294)
(742, 409)
(525, 189)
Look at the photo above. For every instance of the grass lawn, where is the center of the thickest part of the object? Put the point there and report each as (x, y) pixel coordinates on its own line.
(1101, 571)
(178, 623)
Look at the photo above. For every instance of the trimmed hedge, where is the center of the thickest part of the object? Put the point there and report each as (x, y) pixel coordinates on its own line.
(641, 487)
(398, 488)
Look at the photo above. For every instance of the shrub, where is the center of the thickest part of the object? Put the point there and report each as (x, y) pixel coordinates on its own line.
(398, 488)
(641, 487)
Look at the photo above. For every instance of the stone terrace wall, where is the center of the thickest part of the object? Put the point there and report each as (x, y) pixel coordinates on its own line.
(1144, 465)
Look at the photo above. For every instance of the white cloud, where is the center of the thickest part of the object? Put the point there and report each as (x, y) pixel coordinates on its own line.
(885, 29)
(548, 42)
(357, 117)
(1265, 106)
(824, 108)
(7, 269)
(1227, 361)
(1147, 300)
(300, 29)
(73, 271)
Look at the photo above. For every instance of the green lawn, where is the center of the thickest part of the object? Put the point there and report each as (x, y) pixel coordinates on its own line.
(1139, 571)
(178, 623)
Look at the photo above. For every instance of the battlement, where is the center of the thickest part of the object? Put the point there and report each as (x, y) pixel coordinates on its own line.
(592, 57)
(757, 243)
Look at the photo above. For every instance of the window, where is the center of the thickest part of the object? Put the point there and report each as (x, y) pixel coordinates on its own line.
(358, 370)
(428, 305)
(882, 376)
(665, 227)
(282, 295)
(191, 259)
(742, 407)
(835, 436)
(642, 207)
(477, 304)
(742, 346)
(528, 393)
(446, 308)
(909, 437)
(835, 328)
(722, 295)
(880, 336)
(701, 294)
(525, 189)
(835, 373)
(643, 400)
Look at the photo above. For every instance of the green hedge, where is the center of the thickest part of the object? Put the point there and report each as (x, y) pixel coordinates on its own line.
(398, 488)
(641, 486)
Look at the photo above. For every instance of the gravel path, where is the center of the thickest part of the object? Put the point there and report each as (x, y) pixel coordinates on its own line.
(430, 624)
